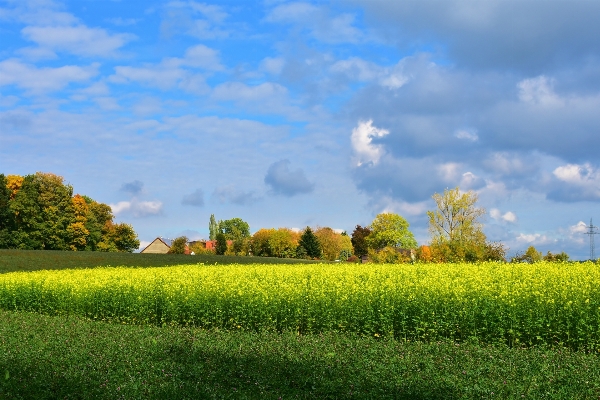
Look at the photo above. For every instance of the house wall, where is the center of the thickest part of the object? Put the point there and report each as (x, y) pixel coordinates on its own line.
(156, 247)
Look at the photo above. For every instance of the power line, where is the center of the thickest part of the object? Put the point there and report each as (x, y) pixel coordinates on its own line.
(591, 232)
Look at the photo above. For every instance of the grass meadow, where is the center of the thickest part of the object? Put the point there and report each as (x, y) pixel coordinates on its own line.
(332, 331)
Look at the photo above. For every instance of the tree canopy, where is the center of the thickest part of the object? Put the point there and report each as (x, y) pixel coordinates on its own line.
(40, 212)
(456, 229)
(390, 230)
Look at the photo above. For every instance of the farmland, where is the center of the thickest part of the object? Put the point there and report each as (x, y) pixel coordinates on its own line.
(486, 330)
(34, 260)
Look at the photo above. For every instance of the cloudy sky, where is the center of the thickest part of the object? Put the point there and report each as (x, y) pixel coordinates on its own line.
(288, 114)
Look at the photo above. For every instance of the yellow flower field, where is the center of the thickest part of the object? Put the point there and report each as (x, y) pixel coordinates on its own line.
(512, 303)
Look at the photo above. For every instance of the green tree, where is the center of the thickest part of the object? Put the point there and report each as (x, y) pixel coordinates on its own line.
(213, 228)
(260, 243)
(359, 240)
(221, 245)
(310, 243)
(531, 255)
(234, 228)
(178, 245)
(556, 257)
(6, 215)
(456, 229)
(389, 229)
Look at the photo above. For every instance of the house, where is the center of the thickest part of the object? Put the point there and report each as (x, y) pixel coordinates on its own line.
(161, 245)
(158, 246)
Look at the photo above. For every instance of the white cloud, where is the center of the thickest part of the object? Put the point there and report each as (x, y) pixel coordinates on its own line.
(582, 179)
(360, 70)
(467, 134)
(508, 216)
(201, 56)
(14, 72)
(538, 90)
(240, 91)
(534, 239)
(361, 138)
(272, 65)
(79, 39)
(137, 208)
(579, 228)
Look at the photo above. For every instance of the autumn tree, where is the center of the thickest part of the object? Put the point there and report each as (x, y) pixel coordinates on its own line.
(333, 243)
(44, 214)
(359, 240)
(456, 229)
(260, 242)
(283, 243)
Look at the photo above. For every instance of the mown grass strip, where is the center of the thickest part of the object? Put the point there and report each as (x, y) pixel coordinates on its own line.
(36, 260)
(543, 303)
(45, 357)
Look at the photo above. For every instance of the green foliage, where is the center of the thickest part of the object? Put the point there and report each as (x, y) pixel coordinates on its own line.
(234, 228)
(213, 227)
(178, 245)
(359, 240)
(389, 229)
(7, 218)
(457, 231)
(66, 357)
(531, 255)
(556, 257)
(43, 214)
(221, 245)
(310, 243)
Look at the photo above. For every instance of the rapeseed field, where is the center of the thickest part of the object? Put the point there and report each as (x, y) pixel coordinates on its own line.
(515, 304)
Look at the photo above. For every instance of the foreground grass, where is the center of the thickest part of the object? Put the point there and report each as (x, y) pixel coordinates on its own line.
(35, 260)
(67, 357)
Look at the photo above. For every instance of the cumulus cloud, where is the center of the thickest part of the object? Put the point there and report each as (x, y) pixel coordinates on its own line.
(195, 199)
(575, 182)
(136, 208)
(38, 80)
(79, 39)
(508, 216)
(467, 134)
(286, 182)
(318, 21)
(202, 56)
(134, 188)
(538, 90)
(229, 194)
(361, 139)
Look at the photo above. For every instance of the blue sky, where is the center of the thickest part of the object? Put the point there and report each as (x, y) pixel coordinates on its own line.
(288, 114)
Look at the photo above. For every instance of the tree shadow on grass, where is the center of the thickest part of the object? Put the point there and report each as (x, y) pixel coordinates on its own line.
(184, 371)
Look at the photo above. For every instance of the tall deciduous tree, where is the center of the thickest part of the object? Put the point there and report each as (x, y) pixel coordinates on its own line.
(213, 228)
(390, 230)
(359, 240)
(456, 229)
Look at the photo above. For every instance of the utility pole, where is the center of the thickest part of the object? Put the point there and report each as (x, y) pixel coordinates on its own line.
(591, 231)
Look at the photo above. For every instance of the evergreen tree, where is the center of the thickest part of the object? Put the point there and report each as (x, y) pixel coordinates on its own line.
(310, 243)
(221, 246)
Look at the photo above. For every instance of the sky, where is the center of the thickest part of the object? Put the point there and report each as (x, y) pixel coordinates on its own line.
(295, 114)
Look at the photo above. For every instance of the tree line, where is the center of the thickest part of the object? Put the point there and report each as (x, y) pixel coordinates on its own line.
(455, 228)
(40, 212)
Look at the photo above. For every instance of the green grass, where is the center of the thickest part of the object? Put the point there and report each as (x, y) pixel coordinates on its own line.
(34, 260)
(66, 357)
